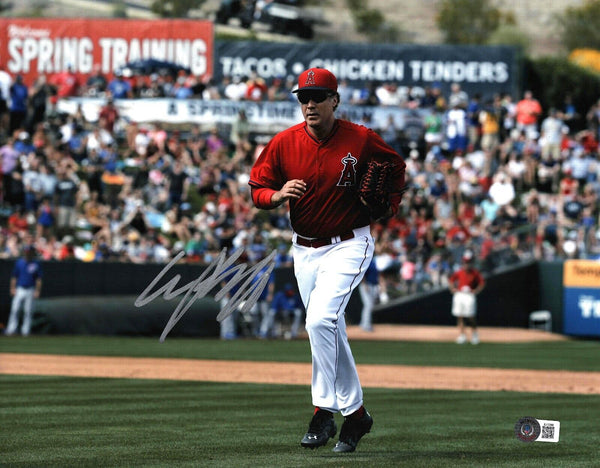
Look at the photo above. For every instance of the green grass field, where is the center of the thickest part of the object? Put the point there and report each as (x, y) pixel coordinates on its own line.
(63, 422)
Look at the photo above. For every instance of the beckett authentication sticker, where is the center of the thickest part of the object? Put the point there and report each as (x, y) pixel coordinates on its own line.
(530, 429)
(527, 429)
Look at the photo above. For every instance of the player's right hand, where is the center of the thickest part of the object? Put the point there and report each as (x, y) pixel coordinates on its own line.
(292, 189)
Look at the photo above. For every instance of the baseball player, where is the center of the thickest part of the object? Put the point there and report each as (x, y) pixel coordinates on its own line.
(465, 283)
(25, 286)
(316, 166)
(287, 304)
(369, 292)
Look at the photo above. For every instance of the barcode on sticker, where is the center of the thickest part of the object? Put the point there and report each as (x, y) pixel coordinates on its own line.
(550, 431)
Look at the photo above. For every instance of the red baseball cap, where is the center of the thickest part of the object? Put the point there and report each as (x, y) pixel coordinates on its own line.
(317, 79)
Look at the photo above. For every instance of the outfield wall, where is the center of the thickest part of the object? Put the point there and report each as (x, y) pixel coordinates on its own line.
(98, 298)
(510, 295)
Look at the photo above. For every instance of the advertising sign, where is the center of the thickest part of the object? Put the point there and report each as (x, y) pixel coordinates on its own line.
(581, 280)
(35, 46)
(478, 69)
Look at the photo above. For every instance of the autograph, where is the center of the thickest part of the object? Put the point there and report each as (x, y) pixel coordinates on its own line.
(248, 293)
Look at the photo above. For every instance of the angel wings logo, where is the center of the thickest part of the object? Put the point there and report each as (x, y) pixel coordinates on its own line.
(348, 176)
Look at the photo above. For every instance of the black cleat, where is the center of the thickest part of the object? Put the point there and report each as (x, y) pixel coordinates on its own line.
(321, 428)
(352, 431)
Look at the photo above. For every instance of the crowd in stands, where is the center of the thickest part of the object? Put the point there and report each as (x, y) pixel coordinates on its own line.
(500, 176)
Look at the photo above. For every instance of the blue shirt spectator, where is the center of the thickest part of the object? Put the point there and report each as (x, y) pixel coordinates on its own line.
(119, 88)
(18, 95)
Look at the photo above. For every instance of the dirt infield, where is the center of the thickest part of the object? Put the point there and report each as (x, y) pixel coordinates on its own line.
(382, 376)
(448, 334)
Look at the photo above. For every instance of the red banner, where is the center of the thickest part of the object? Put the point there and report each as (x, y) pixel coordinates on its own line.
(31, 47)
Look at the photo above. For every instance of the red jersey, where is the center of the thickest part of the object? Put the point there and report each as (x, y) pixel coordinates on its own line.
(66, 83)
(467, 277)
(527, 111)
(331, 168)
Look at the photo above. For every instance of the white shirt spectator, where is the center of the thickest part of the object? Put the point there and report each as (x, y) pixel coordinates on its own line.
(98, 138)
(580, 164)
(236, 90)
(5, 83)
(456, 122)
(141, 142)
(552, 131)
(502, 191)
(388, 94)
(515, 168)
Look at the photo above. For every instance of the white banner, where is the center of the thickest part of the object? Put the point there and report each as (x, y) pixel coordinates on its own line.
(263, 116)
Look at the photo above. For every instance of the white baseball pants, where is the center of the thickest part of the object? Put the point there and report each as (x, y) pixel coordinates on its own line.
(464, 304)
(23, 297)
(368, 295)
(326, 278)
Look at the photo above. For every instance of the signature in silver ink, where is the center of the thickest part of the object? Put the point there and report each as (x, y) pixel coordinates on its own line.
(248, 293)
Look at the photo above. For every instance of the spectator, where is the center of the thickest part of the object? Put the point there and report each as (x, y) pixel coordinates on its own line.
(66, 84)
(490, 120)
(17, 223)
(119, 88)
(95, 85)
(552, 131)
(257, 89)
(19, 96)
(236, 89)
(365, 95)
(474, 125)
(15, 194)
(181, 89)
(5, 85)
(509, 122)
(527, 113)
(502, 191)
(458, 97)
(387, 94)
(434, 127)
(515, 169)
(593, 119)
(178, 184)
(214, 143)
(108, 115)
(45, 219)
(10, 158)
(390, 133)
(581, 165)
(40, 93)
(455, 121)
(32, 185)
(65, 200)
(277, 90)
(239, 136)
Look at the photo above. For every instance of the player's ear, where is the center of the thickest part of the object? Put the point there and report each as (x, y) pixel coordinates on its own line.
(336, 97)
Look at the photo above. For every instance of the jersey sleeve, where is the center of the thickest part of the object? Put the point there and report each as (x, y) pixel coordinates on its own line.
(265, 177)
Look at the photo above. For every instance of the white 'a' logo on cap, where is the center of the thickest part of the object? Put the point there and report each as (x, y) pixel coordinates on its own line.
(310, 78)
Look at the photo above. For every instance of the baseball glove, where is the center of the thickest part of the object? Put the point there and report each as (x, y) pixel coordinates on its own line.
(375, 188)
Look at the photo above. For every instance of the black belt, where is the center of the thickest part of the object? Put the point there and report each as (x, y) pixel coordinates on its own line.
(323, 241)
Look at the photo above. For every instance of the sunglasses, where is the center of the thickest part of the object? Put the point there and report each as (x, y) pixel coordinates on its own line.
(316, 96)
